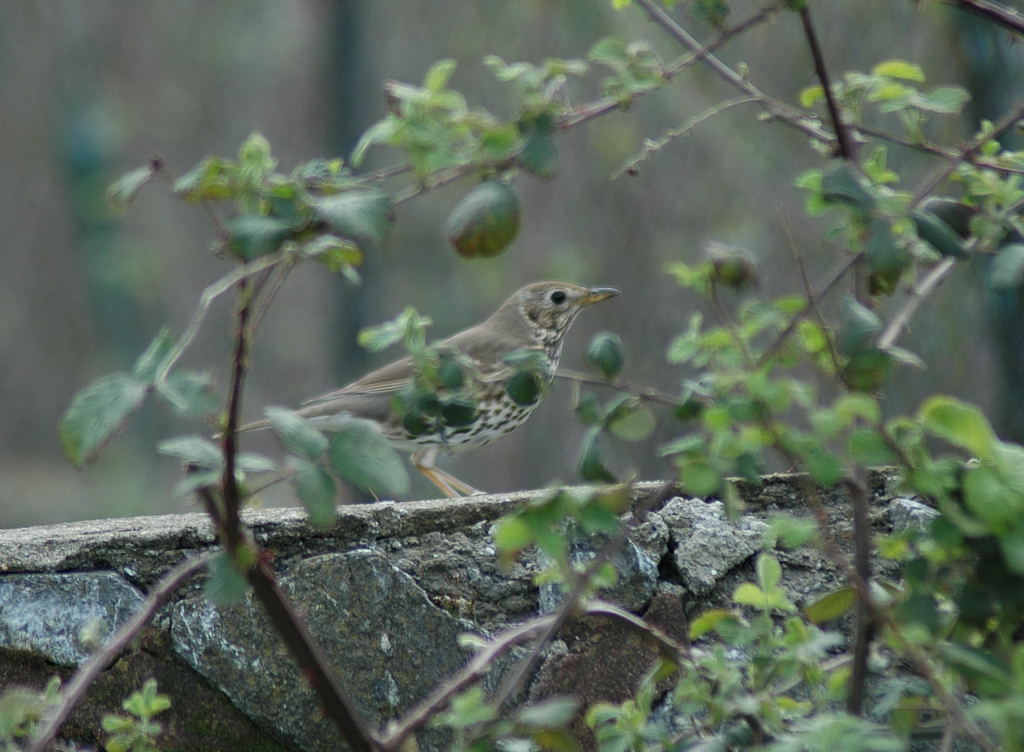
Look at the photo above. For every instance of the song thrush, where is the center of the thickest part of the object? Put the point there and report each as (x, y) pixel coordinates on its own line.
(535, 318)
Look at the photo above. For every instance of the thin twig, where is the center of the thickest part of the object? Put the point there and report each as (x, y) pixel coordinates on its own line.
(800, 315)
(939, 176)
(928, 147)
(210, 294)
(649, 395)
(605, 105)
(87, 673)
(999, 14)
(784, 112)
(524, 669)
(295, 634)
(805, 283)
(916, 296)
(847, 146)
(651, 146)
(418, 717)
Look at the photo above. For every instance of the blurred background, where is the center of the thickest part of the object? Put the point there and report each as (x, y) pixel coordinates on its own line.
(92, 90)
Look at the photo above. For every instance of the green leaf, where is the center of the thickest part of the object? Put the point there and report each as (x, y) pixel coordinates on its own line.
(439, 74)
(868, 447)
(361, 456)
(539, 156)
(512, 535)
(333, 252)
(867, 370)
(749, 594)
(938, 234)
(978, 664)
(251, 462)
(986, 494)
(208, 180)
(899, 69)
(123, 190)
(190, 393)
(790, 532)
(254, 153)
(840, 185)
(960, 424)
(699, 477)
(708, 621)
(550, 713)
(886, 258)
(1007, 270)
(604, 353)
(364, 217)
(591, 464)
(97, 413)
(824, 467)
(253, 235)
(946, 100)
(315, 488)
(225, 584)
(831, 606)
(524, 388)
(297, 434)
(146, 367)
(633, 425)
(769, 571)
(193, 450)
(810, 95)
(858, 327)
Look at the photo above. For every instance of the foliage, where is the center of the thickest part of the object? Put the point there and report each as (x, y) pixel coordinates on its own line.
(136, 731)
(774, 377)
(20, 711)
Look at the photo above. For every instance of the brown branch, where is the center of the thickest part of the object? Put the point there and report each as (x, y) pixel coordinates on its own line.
(606, 105)
(847, 146)
(515, 681)
(91, 668)
(916, 296)
(650, 146)
(927, 147)
(784, 112)
(649, 395)
(1008, 18)
(418, 717)
(799, 316)
(285, 619)
(939, 176)
(295, 634)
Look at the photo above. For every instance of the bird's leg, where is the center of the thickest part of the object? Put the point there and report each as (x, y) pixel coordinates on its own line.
(423, 460)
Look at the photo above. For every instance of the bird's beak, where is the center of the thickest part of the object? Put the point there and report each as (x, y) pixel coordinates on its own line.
(597, 294)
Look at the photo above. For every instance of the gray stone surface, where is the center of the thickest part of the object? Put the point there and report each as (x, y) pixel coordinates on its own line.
(387, 590)
(637, 576)
(390, 645)
(905, 514)
(48, 614)
(705, 545)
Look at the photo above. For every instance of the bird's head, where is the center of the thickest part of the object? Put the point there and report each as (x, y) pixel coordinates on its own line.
(549, 308)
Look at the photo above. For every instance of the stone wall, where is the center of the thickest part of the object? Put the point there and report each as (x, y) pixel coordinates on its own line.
(387, 591)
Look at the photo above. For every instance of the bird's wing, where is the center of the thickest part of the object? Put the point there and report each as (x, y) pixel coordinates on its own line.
(384, 380)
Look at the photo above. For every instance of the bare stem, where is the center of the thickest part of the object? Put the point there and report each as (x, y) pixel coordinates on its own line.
(1002, 15)
(916, 297)
(649, 395)
(87, 673)
(784, 112)
(847, 146)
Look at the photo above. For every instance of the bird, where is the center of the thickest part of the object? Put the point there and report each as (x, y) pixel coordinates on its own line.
(533, 319)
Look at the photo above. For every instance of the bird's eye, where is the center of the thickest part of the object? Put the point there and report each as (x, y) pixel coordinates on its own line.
(558, 297)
